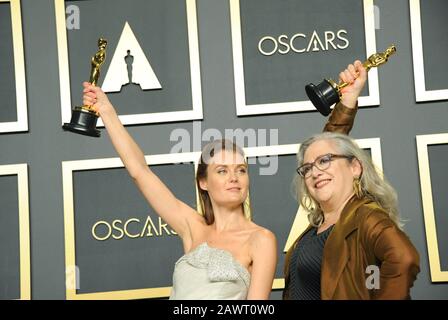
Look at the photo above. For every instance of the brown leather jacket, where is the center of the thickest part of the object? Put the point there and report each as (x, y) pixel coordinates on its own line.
(364, 236)
(341, 119)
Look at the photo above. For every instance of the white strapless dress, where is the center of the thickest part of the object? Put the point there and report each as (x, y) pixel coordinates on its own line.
(211, 274)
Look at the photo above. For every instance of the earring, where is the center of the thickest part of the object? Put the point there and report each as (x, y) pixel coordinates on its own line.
(357, 188)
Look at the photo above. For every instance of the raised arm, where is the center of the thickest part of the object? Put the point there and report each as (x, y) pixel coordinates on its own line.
(343, 115)
(176, 213)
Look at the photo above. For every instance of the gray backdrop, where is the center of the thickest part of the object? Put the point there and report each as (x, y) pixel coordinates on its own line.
(434, 32)
(439, 178)
(9, 239)
(7, 84)
(397, 121)
(275, 78)
(125, 264)
(166, 50)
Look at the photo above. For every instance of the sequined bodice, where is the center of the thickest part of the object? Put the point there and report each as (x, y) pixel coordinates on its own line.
(209, 273)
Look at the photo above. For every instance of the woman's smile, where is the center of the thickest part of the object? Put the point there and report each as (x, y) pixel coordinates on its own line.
(321, 183)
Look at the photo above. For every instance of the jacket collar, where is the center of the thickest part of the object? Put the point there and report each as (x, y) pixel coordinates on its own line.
(336, 251)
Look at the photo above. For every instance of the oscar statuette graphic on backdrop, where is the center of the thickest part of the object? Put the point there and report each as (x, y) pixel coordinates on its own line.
(84, 118)
(328, 92)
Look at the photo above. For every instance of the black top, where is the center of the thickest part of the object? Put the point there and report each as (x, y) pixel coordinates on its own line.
(306, 264)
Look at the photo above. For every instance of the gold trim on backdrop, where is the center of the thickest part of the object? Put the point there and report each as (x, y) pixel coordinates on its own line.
(238, 69)
(21, 170)
(69, 223)
(421, 94)
(19, 68)
(301, 221)
(195, 74)
(423, 141)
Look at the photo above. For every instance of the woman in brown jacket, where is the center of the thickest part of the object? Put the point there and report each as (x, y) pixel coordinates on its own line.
(354, 247)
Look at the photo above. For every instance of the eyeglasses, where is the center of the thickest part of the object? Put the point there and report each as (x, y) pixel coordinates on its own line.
(321, 163)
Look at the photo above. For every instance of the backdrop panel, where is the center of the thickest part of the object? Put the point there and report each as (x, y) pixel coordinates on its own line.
(279, 47)
(116, 245)
(15, 282)
(162, 40)
(432, 156)
(13, 108)
(429, 46)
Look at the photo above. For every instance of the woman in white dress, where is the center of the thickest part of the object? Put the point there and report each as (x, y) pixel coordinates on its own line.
(227, 256)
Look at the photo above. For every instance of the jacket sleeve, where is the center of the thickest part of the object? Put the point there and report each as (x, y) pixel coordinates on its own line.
(341, 119)
(397, 257)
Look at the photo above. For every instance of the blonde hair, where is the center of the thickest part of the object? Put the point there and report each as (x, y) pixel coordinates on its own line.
(372, 185)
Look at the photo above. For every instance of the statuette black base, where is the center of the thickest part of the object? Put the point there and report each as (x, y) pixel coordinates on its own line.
(323, 96)
(83, 122)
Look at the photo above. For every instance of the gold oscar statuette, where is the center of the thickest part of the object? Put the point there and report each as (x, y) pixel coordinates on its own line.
(84, 118)
(328, 92)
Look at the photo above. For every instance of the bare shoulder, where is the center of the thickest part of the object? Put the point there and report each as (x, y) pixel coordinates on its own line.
(262, 245)
(261, 237)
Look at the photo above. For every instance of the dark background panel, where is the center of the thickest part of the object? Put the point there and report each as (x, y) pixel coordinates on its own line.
(8, 109)
(9, 238)
(396, 121)
(282, 77)
(160, 27)
(273, 201)
(128, 263)
(438, 158)
(275, 211)
(435, 43)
